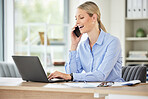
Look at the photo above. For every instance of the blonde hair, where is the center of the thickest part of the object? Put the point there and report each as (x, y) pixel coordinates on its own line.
(91, 8)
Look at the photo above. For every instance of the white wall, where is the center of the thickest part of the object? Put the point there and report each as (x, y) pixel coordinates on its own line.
(117, 22)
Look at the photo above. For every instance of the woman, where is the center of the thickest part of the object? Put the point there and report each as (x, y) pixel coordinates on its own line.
(99, 56)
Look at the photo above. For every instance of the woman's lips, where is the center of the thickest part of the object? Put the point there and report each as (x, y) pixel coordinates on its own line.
(80, 27)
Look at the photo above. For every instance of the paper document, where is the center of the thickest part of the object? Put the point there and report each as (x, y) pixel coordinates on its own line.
(129, 83)
(55, 86)
(82, 85)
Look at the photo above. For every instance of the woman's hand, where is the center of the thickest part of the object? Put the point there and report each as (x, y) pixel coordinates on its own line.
(74, 39)
(58, 74)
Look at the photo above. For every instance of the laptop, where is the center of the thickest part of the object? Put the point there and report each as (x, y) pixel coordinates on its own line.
(31, 69)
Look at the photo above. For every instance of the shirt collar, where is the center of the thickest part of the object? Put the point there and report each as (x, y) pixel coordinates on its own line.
(100, 38)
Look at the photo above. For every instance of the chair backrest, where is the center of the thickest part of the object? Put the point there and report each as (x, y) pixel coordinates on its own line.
(9, 70)
(134, 73)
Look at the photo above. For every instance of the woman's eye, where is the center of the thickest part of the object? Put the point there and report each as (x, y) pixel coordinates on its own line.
(81, 17)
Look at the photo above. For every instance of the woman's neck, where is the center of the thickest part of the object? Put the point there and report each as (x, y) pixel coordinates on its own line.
(93, 36)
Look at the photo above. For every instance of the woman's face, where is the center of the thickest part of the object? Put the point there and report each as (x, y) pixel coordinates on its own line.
(83, 21)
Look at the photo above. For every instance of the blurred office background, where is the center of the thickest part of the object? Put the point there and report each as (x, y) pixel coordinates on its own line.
(42, 28)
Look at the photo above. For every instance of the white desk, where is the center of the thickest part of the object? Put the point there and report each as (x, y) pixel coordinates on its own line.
(15, 88)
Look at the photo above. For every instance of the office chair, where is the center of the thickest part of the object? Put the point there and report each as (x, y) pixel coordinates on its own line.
(134, 73)
(9, 70)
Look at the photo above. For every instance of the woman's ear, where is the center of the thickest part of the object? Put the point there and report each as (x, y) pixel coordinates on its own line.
(94, 17)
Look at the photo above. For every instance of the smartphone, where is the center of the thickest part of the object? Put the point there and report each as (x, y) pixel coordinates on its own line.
(77, 31)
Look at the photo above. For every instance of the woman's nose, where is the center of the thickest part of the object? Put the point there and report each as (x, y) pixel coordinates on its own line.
(77, 21)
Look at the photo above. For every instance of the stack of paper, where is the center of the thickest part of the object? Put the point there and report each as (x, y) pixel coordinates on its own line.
(138, 54)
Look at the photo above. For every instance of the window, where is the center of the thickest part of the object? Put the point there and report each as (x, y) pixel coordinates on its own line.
(1, 30)
(41, 28)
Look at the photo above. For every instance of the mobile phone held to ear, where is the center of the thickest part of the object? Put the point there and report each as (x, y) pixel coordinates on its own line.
(77, 31)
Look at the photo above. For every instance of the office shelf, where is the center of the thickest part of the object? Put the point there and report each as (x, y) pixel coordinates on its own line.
(133, 43)
(136, 63)
(137, 38)
(134, 19)
(137, 59)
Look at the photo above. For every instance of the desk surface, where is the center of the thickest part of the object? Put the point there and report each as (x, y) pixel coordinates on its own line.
(19, 84)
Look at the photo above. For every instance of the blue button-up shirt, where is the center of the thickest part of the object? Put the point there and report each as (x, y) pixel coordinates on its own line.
(102, 63)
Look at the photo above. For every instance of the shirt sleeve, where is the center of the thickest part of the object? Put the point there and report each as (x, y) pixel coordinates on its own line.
(73, 65)
(102, 72)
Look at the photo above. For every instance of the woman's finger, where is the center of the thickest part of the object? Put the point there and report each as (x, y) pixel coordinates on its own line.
(50, 75)
(55, 76)
(74, 27)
